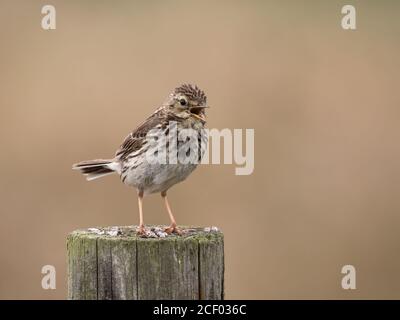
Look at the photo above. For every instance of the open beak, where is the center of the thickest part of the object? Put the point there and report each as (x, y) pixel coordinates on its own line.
(197, 109)
(196, 112)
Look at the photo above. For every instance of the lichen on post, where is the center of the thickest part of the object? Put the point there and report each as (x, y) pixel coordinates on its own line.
(114, 263)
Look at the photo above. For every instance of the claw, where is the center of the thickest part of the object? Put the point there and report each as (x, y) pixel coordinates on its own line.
(141, 231)
(173, 229)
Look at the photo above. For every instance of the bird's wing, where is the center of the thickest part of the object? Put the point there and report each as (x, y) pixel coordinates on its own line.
(137, 138)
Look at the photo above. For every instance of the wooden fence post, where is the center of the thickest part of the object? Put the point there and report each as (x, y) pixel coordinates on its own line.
(114, 263)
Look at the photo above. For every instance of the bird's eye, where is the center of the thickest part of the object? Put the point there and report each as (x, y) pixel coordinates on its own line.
(183, 102)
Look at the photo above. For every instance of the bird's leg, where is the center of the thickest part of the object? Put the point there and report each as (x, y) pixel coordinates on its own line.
(172, 228)
(141, 230)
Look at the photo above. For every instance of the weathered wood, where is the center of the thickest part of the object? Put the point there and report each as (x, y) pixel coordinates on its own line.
(212, 262)
(114, 263)
(82, 271)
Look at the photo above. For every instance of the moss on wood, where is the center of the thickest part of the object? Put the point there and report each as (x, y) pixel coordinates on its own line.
(115, 263)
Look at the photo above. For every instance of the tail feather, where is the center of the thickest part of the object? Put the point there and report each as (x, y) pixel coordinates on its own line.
(94, 169)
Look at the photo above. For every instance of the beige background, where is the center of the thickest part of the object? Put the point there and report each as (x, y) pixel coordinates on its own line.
(324, 104)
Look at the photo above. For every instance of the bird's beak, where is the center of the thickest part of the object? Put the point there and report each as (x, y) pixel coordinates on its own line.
(196, 112)
(196, 109)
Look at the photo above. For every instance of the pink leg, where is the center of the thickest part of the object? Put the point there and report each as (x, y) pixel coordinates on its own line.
(141, 230)
(172, 228)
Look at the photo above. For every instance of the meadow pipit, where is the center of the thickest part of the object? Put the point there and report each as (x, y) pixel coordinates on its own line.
(137, 159)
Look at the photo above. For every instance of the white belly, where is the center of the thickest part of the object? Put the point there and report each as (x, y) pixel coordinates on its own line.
(152, 178)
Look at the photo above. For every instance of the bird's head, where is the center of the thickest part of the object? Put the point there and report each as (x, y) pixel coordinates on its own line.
(188, 101)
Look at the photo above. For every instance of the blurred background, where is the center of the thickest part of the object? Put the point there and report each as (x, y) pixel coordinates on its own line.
(324, 103)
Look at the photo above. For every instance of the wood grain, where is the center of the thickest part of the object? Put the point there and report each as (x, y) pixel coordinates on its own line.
(104, 265)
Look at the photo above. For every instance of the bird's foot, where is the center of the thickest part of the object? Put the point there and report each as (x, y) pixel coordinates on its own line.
(173, 229)
(141, 230)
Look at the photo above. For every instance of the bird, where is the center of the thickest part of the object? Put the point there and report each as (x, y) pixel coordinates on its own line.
(136, 160)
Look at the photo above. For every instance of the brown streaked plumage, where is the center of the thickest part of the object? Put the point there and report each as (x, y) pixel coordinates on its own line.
(185, 107)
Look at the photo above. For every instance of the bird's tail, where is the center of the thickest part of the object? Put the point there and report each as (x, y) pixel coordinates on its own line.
(98, 168)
